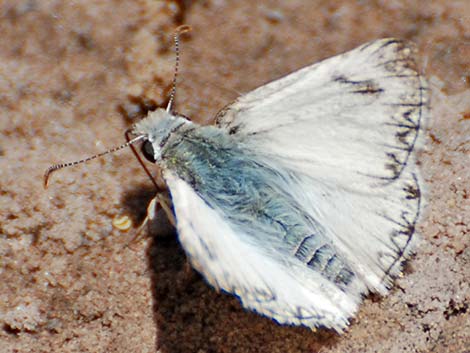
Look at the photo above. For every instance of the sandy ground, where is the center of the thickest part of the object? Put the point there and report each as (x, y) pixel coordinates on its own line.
(75, 75)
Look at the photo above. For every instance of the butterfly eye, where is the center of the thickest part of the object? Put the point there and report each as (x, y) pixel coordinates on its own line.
(147, 150)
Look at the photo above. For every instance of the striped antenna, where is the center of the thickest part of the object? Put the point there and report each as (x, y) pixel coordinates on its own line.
(55, 167)
(178, 32)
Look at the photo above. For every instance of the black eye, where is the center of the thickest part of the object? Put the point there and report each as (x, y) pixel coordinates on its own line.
(147, 150)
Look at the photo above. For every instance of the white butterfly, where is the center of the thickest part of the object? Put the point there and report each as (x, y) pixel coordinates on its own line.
(305, 194)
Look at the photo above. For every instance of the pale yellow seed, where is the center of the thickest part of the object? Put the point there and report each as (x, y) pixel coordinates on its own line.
(122, 223)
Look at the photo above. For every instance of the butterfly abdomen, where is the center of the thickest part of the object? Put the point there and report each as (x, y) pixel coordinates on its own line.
(324, 259)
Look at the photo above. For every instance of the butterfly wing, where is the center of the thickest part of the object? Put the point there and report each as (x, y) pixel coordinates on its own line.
(283, 289)
(334, 144)
(346, 130)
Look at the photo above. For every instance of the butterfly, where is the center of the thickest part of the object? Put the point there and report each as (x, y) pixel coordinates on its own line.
(305, 194)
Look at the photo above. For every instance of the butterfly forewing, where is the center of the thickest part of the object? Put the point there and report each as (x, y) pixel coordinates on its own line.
(347, 128)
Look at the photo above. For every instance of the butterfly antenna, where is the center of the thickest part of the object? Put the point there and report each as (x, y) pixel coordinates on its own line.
(55, 167)
(178, 32)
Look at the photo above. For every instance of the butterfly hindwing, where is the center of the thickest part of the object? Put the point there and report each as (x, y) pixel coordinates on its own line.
(285, 290)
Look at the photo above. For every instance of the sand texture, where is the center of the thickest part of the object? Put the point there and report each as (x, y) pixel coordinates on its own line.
(74, 75)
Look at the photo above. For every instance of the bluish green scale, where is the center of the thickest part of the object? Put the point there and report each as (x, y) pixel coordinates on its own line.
(230, 179)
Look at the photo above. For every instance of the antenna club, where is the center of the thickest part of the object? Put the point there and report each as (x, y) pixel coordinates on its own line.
(47, 173)
(51, 170)
(183, 29)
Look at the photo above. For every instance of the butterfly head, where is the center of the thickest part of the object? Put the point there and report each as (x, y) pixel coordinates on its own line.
(156, 129)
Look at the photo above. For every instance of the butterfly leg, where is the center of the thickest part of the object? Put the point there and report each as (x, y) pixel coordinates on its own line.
(165, 203)
(159, 201)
